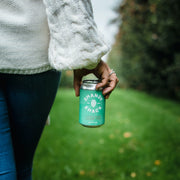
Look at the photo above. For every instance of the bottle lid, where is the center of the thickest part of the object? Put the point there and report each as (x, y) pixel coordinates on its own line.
(90, 84)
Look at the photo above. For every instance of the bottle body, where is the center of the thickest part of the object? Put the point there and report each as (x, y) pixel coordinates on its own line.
(92, 105)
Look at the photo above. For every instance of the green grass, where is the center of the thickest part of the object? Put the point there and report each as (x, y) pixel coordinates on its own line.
(140, 140)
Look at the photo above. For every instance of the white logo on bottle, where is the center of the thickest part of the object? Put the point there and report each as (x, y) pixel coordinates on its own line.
(93, 103)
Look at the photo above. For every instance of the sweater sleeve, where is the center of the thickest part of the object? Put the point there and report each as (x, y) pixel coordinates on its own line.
(75, 41)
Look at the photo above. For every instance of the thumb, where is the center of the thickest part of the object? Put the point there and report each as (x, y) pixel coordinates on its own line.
(77, 84)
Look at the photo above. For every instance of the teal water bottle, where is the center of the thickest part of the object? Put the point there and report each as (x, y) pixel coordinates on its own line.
(91, 105)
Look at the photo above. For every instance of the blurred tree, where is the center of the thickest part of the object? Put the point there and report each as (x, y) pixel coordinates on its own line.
(147, 48)
(67, 79)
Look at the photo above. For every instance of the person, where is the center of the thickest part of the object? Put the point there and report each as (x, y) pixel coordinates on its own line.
(39, 39)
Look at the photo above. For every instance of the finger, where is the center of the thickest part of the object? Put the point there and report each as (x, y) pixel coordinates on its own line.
(107, 90)
(114, 81)
(110, 88)
(102, 84)
(76, 88)
(77, 85)
(107, 96)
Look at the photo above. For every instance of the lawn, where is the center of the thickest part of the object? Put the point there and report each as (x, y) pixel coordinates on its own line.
(140, 140)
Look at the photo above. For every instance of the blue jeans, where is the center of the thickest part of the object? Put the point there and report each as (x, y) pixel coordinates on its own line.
(25, 102)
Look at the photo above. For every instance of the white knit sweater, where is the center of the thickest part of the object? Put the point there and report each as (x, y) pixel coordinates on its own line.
(38, 35)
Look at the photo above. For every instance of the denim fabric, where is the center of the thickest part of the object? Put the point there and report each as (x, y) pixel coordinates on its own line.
(25, 102)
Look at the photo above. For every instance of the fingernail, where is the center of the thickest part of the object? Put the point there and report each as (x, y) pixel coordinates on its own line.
(104, 92)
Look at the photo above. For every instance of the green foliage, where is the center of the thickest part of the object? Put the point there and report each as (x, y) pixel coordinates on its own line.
(139, 140)
(149, 45)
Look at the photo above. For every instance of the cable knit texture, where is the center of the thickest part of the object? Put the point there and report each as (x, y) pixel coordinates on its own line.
(75, 41)
(26, 47)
